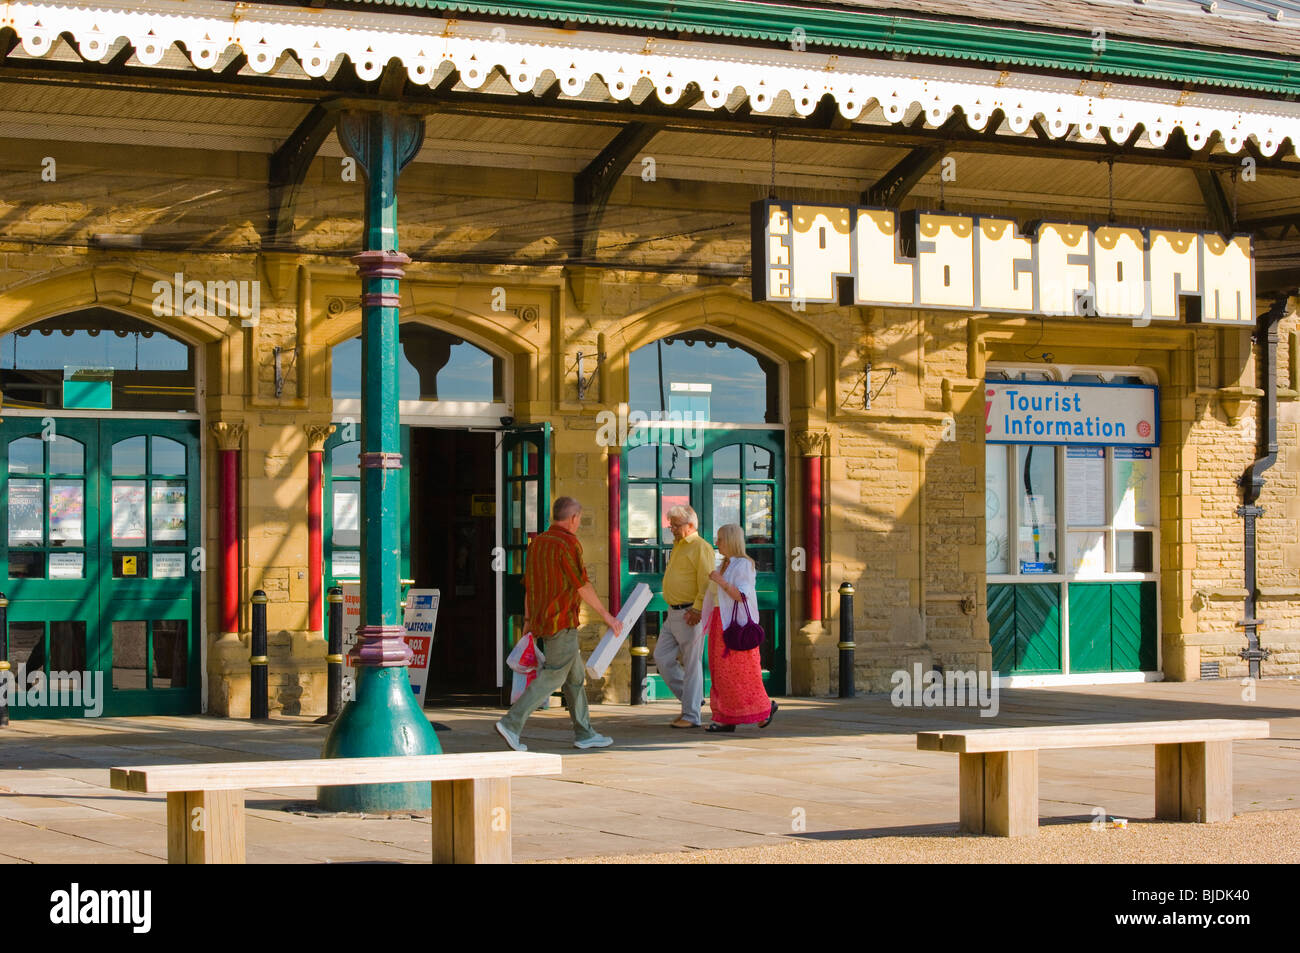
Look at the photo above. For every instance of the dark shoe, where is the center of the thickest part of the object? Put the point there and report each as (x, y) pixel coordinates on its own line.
(770, 716)
(714, 726)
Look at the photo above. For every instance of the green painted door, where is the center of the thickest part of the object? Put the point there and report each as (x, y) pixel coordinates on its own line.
(341, 506)
(101, 544)
(1112, 626)
(526, 499)
(732, 476)
(1025, 628)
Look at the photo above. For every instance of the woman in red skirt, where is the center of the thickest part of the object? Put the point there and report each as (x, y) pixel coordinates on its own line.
(737, 695)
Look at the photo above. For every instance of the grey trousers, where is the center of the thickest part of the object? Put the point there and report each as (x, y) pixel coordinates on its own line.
(685, 678)
(563, 668)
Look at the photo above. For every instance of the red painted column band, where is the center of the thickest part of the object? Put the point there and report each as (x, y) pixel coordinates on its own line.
(229, 541)
(315, 557)
(615, 533)
(813, 535)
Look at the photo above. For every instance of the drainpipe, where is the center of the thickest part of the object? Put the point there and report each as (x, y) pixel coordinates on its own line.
(1252, 480)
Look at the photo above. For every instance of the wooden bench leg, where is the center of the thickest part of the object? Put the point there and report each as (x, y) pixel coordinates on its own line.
(1194, 781)
(999, 793)
(1011, 793)
(471, 821)
(205, 827)
(971, 786)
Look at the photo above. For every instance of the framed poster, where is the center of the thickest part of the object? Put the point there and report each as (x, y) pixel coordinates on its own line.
(167, 511)
(128, 511)
(25, 499)
(67, 511)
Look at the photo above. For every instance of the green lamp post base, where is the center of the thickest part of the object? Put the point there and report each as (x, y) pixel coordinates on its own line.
(383, 720)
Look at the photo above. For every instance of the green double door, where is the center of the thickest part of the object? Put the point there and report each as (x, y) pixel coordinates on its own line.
(728, 476)
(1110, 627)
(102, 549)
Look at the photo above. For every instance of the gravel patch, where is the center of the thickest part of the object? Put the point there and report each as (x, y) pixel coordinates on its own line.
(1259, 837)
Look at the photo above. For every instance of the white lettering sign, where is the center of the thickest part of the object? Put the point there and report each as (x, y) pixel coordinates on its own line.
(872, 256)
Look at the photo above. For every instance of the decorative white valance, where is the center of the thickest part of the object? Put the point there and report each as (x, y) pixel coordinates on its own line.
(865, 90)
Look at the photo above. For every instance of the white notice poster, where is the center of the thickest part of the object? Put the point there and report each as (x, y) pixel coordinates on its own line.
(1085, 486)
(66, 565)
(347, 514)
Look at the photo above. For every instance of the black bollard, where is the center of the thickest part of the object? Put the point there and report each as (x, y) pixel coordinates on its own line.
(259, 704)
(334, 658)
(847, 644)
(4, 658)
(640, 657)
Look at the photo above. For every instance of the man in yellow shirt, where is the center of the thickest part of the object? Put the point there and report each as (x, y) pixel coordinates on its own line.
(686, 578)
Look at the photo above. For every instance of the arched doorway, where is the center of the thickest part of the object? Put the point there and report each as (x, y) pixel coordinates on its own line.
(99, 457)
(452, 397)
(706, 429)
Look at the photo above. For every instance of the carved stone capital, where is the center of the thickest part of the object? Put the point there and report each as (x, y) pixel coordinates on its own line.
(317, 434)
(228, 434)
(812, 443)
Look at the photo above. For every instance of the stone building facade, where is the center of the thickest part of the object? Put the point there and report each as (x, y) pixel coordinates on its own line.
(891, 400)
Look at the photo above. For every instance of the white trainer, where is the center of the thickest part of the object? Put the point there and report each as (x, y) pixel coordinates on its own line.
(595, 741)
(512, 739)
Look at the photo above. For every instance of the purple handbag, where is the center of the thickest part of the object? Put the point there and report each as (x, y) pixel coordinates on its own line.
(741, 637)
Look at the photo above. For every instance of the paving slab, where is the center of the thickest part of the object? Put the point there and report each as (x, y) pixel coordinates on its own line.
(841, 769)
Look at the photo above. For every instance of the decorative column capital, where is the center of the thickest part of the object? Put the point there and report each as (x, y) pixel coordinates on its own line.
(228, 434)
(317, 434)
(812, 443)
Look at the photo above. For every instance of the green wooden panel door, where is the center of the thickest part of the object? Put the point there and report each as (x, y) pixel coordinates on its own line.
(1133, 626)
(1090, 627)
(526, 494)
(341, 506)
(1038, 628)
(1002, 626)
(1113, 627)
(101, 548)
(1025, 627)
(731, 476)
(149, 591)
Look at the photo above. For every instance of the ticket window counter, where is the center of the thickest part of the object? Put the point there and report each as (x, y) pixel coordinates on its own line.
(1072, 540)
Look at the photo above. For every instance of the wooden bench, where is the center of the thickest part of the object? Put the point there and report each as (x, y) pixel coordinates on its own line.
(471, 798)
(999, 767)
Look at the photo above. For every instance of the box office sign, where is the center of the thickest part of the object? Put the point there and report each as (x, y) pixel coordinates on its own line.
(808, 253)
(1111, 415)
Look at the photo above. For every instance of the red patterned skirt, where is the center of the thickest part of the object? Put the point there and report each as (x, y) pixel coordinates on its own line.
(736, 695)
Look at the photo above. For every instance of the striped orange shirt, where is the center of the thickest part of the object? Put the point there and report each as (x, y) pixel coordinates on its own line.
(553, 574)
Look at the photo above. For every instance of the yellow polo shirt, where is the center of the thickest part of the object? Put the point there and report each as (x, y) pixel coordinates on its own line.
(686, 578)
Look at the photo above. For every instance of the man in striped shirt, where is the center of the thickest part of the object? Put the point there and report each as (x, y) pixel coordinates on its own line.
(555, 585)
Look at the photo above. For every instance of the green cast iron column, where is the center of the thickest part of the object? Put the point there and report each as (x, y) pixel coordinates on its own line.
(383, 718)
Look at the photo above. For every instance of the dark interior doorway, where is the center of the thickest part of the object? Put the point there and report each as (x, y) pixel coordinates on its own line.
(453, 532)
